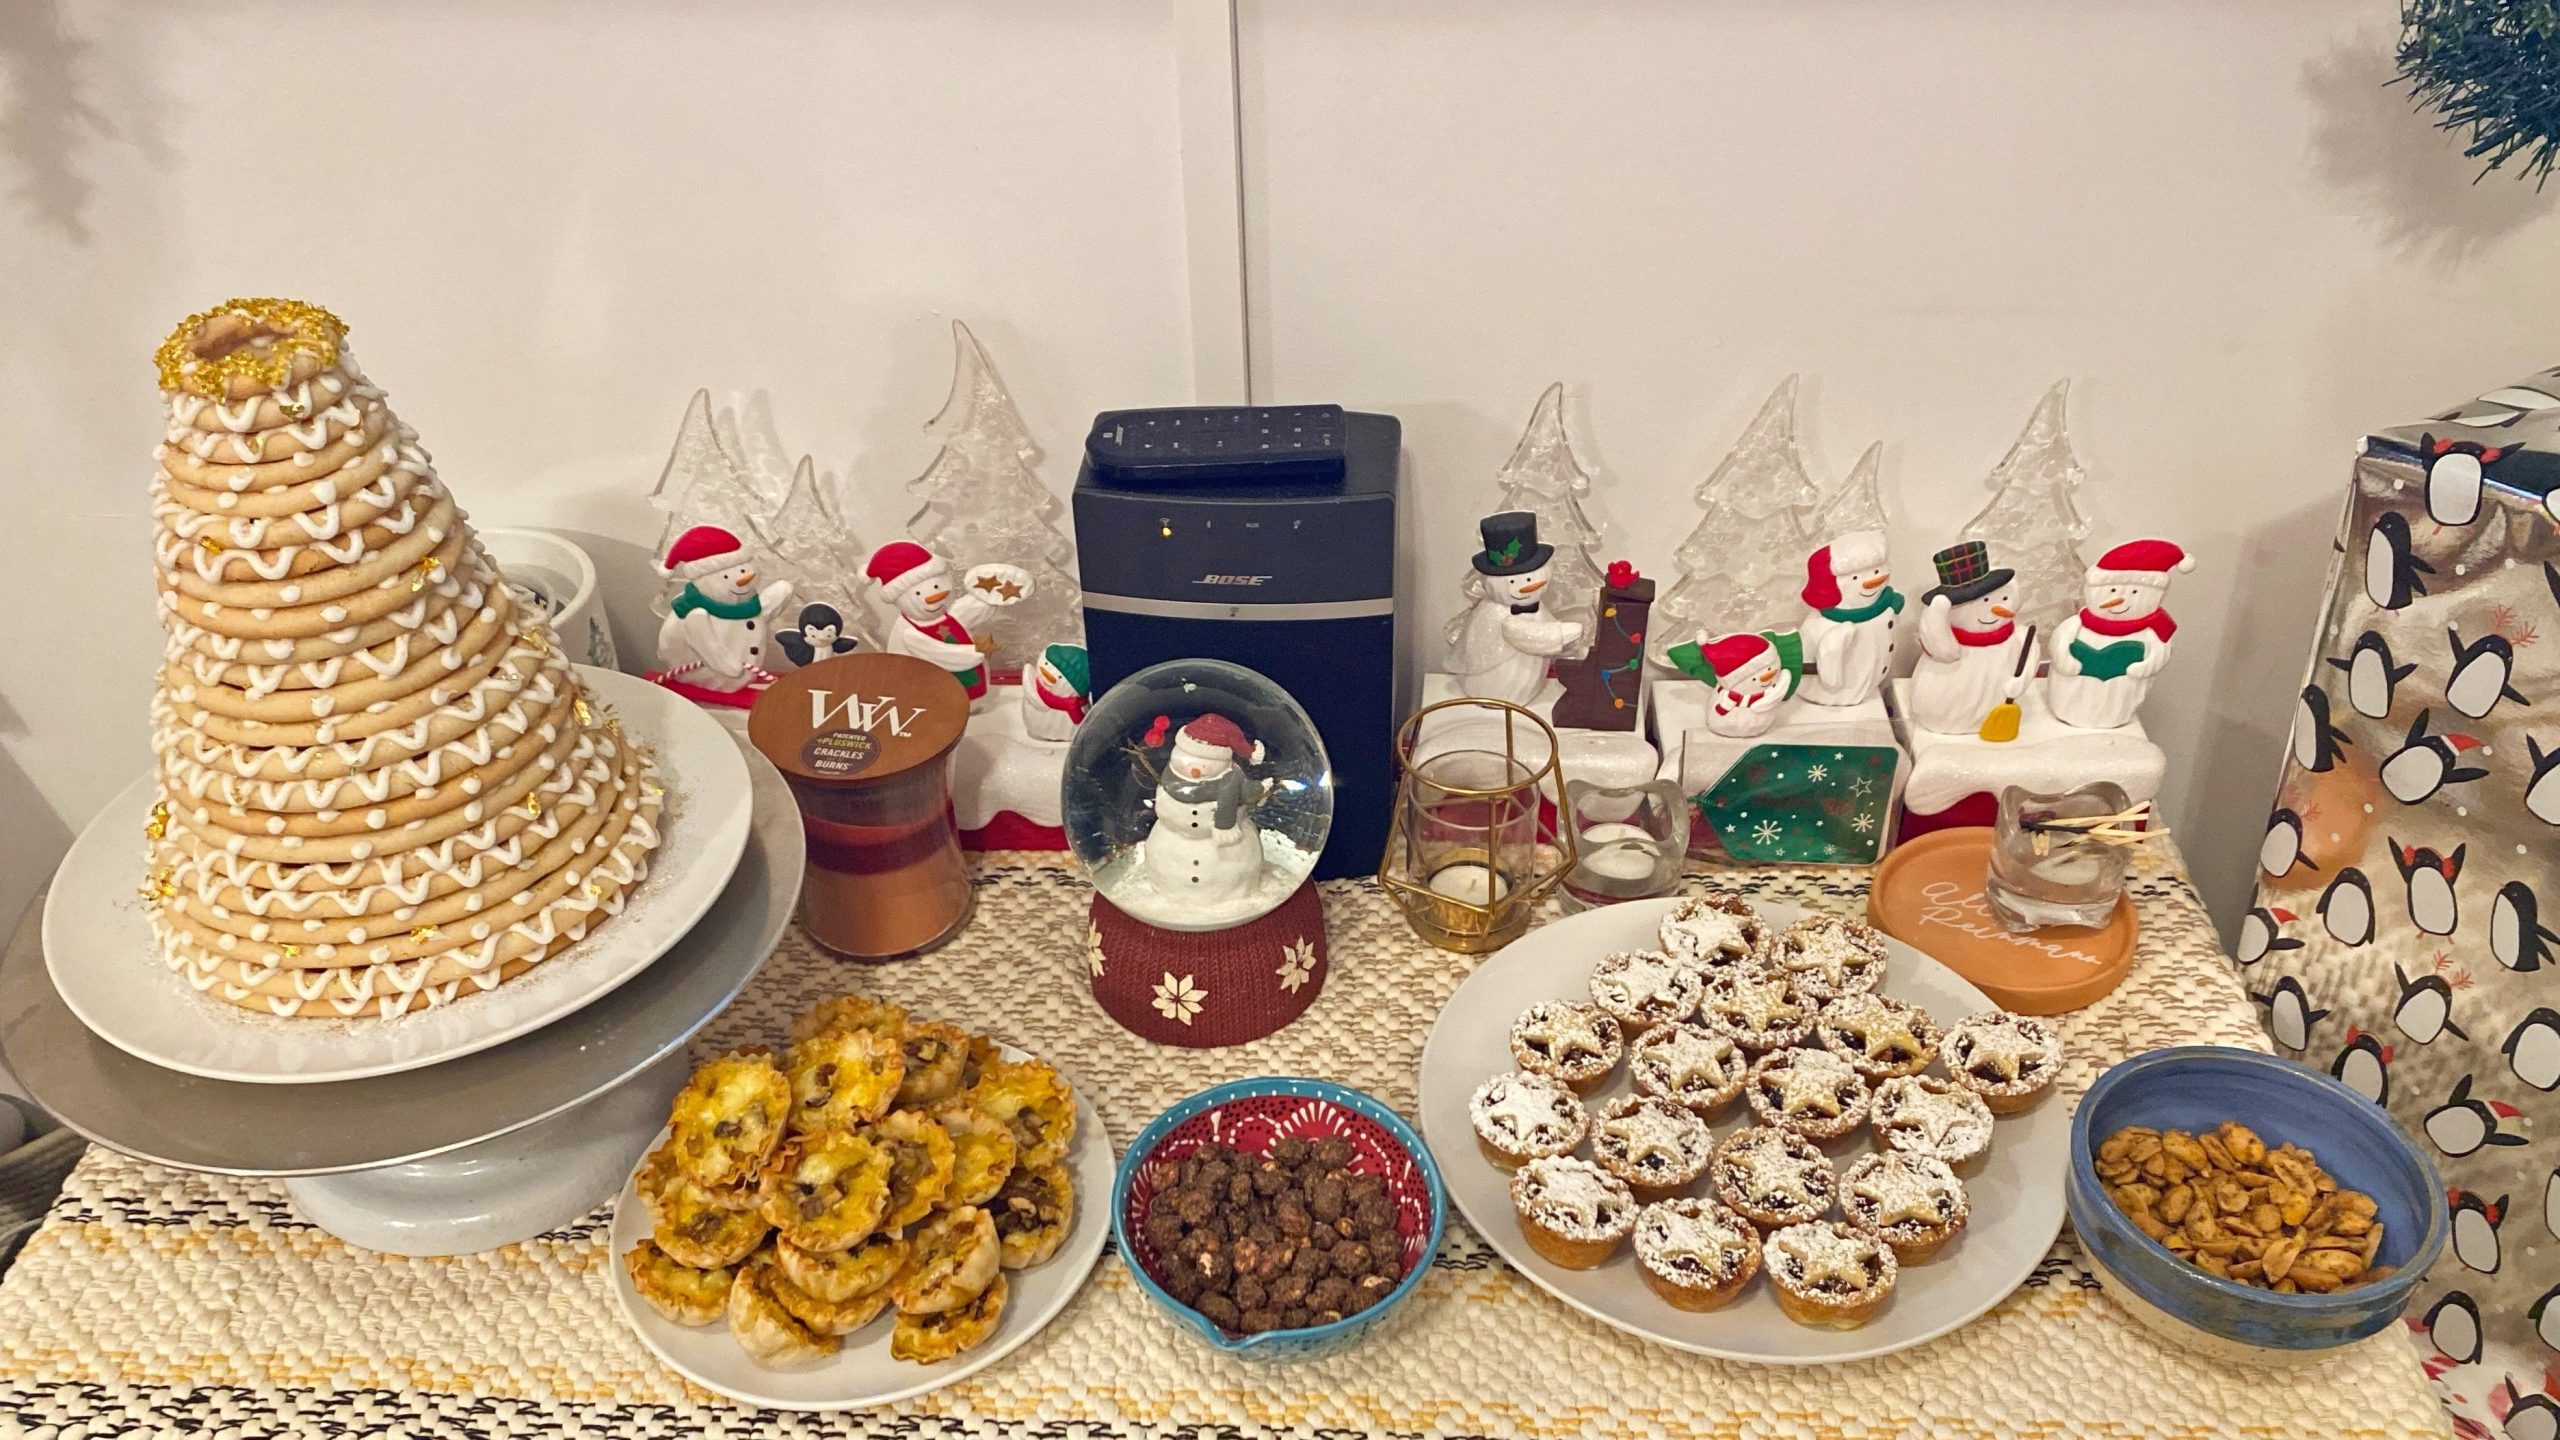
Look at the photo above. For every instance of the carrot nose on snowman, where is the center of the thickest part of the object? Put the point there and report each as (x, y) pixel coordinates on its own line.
(2004, 612)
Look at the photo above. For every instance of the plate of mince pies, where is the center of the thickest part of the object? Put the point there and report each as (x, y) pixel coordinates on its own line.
(872, 1210)
(1748, 1130)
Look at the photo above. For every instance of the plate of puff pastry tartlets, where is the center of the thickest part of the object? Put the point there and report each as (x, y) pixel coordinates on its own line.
(871, 1210)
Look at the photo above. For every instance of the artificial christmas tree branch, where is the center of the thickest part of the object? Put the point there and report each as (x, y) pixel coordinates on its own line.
(2492, 68)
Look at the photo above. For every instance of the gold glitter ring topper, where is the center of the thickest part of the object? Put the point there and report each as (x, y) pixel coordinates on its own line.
(244, 348)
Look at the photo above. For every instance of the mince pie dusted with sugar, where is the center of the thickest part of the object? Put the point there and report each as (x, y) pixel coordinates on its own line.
(1828, 957)
(1924, 1115)
(1758, 1008)
(1642, 988)
(1577, 1044)
(1652, 1144)
(1829, 1274)
(1522, 1117)
(2008, 1060)
(1696, 1254)
(1882, 1038)
(1714, 932)
(1572, 1211)
(1911, 1202)
(1689, 1065)
(1774, 1176)
(1813, 1093)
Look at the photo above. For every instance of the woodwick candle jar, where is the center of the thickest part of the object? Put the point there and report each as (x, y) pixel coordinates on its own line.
(865, 741)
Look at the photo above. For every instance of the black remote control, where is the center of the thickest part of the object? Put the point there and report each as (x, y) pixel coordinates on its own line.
(1257, 443)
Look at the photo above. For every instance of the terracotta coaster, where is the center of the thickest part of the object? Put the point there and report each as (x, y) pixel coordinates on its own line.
(1928, 894)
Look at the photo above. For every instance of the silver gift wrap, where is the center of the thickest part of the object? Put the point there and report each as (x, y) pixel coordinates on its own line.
(2409, 880)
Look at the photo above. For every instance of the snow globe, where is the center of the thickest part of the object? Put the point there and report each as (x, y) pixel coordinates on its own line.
(1197, 796)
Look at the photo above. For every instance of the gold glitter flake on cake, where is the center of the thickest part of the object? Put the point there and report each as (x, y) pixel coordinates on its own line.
(208, 545)
(289, 951)
(427, 569)
(586, 712)
(159, 822)
(533, 806)
(291, 328)
(161, 886)
(422, 934)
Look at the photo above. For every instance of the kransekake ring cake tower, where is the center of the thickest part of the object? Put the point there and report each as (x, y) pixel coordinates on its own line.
(382, 788)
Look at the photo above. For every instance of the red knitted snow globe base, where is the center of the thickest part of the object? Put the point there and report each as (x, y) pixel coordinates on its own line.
(1205, 988)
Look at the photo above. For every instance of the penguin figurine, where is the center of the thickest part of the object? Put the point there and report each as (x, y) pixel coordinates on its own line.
(2453, 477)
(2517, 936)
(2542, 792)
(2346, 907)
(2371, 677)
(2427, 763)
(2391, 569)
(2475, 1229)
(2425, 1007)
(2289, 1014)
(2478, 680)
(2363, 1065)
(2529, 1417)
(2282, 849)
(816, 635)
(2316, 742)
(2453, 1326)
(2533, 1049)
(2463, 1125)
(2430, 876)
(2260, 937)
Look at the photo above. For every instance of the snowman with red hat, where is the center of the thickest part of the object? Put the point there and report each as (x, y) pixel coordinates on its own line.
(1204, 850)
(941, 619)
(1750, 676)
(1848, 634)
(713, 639)
(2104, 657)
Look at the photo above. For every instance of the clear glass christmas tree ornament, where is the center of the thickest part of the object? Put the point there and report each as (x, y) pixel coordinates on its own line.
(808, 539)
(1197, 795)
(1857, 505)
(1546, 478)
(2033, 522)
(984, 503)
(1741, 569)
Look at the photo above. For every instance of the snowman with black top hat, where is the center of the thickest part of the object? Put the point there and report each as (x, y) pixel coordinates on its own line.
(1504, 643)
(1970, 649)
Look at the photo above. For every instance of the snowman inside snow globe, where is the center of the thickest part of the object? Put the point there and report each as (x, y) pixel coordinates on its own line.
(1197, 795)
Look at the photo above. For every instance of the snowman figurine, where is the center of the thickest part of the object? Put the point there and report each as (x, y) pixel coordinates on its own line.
(714, 635)
(941, 620)
(1055, 691)
(1849, 633)
(1204, 849)
(1750, 676)
(1503, 644)
(1969, 643)
(2104, 657)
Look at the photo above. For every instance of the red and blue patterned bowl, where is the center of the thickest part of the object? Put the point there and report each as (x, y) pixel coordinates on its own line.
(1249, 1115)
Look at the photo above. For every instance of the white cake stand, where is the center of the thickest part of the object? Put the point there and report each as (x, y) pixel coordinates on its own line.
(465, 1155)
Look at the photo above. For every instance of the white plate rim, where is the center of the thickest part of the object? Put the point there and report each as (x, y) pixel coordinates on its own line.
(695, 751)
(1091, 1159)
(2053, 1114)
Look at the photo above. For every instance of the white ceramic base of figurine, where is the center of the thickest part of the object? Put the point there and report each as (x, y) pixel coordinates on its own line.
(1696, 758)
(1597, 757)
(999, 768)
(2047, 756)
(499, 1191)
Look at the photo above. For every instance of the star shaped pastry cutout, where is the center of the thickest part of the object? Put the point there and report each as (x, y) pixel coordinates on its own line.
(2004, 1047)
(1901, 1191)
(1808, 1086)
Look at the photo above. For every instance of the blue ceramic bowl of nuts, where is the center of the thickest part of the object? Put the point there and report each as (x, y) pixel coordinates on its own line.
(1315, 1128)
(2196, 1089)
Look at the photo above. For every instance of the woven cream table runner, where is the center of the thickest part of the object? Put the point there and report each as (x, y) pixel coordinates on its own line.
(159, 1303)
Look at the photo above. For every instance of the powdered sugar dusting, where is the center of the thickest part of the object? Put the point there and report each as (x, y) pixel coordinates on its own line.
(1574, 1198)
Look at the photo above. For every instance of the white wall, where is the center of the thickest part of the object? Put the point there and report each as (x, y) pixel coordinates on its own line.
(2212, 217)
(549, 224)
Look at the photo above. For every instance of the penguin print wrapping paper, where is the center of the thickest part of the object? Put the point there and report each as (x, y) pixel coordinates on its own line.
(2403, 936)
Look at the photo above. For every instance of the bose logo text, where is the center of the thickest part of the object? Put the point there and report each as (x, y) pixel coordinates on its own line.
(1230, 579)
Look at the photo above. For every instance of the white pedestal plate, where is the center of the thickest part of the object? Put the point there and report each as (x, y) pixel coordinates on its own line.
(463, 1155)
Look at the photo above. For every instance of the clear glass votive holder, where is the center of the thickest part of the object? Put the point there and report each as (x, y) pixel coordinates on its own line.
(1633, 841)
(2043, 874)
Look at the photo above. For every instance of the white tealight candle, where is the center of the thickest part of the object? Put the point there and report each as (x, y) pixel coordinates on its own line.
(1604, 855)
(1470, 883)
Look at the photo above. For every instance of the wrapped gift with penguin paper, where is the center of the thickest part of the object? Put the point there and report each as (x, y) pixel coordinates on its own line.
(2403, 935)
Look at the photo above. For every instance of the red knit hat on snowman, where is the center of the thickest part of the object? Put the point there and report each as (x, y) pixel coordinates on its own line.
(900, 561)
(703, 550)
(1215, 734)
(1858, 550)
(2137, 562)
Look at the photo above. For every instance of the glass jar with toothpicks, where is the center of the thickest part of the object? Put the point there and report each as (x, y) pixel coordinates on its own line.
(2061, 859)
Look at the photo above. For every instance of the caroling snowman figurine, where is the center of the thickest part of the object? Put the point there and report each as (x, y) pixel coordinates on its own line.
(2104, 657)
(942, 619)
(711, 646)
(1197, 794)
(1848, 628)
(1970, 650)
